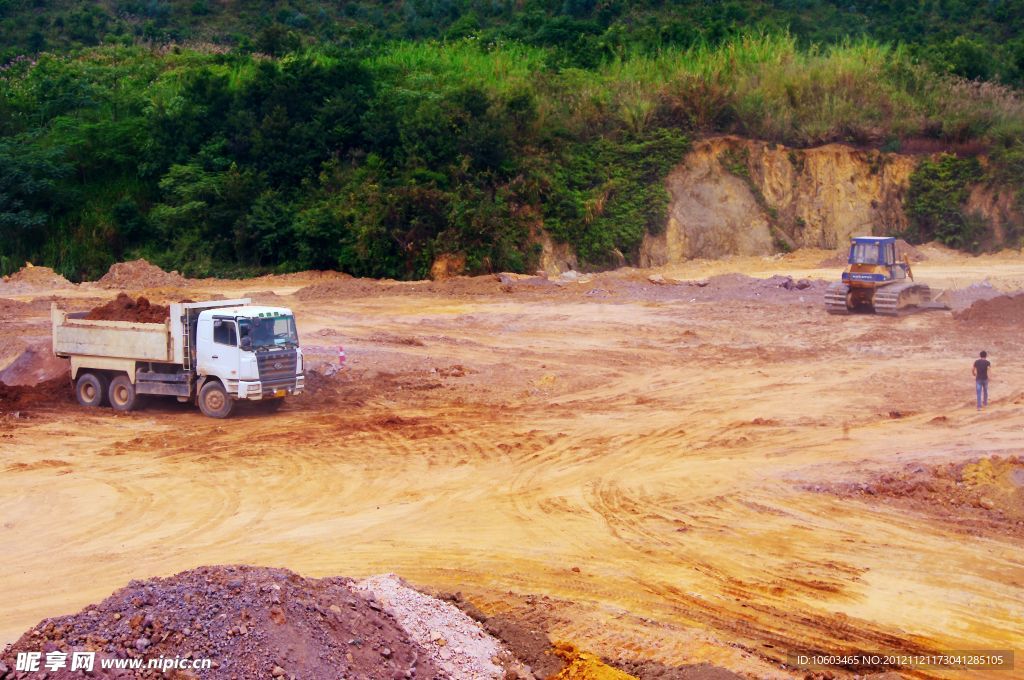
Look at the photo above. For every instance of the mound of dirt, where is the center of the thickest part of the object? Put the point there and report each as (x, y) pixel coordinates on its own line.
(250, 622)
(1004, 309)
(34, 365)
(338, 289)
(31, 277)
(585, 666)
(985, 493)
(962, 298)
(47, 393)
(124, 308)
(453, 641)
(140, 274)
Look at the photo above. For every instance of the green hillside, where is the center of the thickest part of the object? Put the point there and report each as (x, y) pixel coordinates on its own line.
(973, 39)
(220, 138)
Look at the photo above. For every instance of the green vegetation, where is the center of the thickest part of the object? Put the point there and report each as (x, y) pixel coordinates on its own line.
(351, 141)
(938, 191)
(971, 39)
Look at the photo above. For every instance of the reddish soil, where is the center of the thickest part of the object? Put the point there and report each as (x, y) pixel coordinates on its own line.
(250, 622)
(985, 494)
(1004, 309)
(49, 393)
(124, 308)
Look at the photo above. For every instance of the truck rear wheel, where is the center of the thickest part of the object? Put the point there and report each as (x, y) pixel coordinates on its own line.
(122, 393)
(214, 400)
(91, 389)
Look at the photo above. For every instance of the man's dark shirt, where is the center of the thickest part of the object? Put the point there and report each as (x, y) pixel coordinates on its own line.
(981, 366)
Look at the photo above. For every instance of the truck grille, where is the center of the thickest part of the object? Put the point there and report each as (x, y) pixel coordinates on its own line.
(277, 367)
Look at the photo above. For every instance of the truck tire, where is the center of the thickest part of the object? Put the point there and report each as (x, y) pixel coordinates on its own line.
(91, 389)
(214, 400)
(122, 394)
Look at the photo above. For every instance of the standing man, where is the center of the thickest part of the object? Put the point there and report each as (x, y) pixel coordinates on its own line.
(980, 371)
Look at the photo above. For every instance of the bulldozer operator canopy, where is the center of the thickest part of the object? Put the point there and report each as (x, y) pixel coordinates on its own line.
(872, 250)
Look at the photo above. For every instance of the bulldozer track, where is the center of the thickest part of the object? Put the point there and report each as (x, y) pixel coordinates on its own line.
(835, 299)
(889, 300)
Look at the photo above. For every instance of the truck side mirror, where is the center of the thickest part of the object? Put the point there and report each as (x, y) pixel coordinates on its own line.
(246, 343)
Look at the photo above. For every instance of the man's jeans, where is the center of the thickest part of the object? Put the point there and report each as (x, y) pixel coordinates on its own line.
(982, 388)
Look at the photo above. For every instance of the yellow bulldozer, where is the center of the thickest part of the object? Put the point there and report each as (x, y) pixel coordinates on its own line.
(876, 281)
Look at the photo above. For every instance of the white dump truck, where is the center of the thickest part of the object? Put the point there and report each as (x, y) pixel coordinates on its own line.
(213, 352)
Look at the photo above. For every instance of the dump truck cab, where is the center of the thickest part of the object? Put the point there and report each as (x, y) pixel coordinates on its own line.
(253, 350)
(872, 262)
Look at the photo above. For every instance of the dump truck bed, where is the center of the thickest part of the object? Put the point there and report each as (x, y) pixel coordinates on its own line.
(75, 335)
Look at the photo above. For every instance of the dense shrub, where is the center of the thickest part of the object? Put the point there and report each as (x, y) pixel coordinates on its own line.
(936, 198)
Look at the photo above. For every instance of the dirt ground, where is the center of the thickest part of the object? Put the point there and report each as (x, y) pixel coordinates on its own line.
(659, 468)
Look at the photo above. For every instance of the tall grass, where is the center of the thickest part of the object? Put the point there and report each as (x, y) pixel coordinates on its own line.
(497, 69)
(762, 85)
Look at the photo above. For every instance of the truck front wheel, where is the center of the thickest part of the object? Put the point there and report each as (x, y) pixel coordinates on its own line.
(122, 393)
(214, 400)
(91, 389)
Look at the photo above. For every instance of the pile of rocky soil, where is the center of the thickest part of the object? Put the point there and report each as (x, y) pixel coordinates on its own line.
(18, 398)
(124, 308)
(1002, 309)
(339, 289)
(984, 493)
(961, 298)
(35, 364)
(140, 274)
(453, 641)
(30, 278)
(250, 622)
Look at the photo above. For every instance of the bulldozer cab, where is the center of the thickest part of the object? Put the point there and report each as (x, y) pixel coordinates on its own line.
(873, 250)
(873, 262)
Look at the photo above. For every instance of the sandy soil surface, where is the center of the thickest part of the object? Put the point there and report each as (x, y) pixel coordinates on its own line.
(685, 469)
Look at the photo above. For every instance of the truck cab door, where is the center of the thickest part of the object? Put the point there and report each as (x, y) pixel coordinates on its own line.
(217, 351)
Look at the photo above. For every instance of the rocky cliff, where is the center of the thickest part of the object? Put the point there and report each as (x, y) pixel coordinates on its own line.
(743, 197)
(734, 196)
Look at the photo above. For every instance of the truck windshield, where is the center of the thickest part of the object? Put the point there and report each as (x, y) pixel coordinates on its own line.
(266, 332)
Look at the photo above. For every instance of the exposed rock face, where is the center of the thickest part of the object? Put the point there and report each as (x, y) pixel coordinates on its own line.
(712, 213)
(447, 265)
(737, 196)
(555, 257)
(998, 209)
(734, 196)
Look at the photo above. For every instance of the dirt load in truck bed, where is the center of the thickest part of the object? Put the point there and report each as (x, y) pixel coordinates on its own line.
(124, 308)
